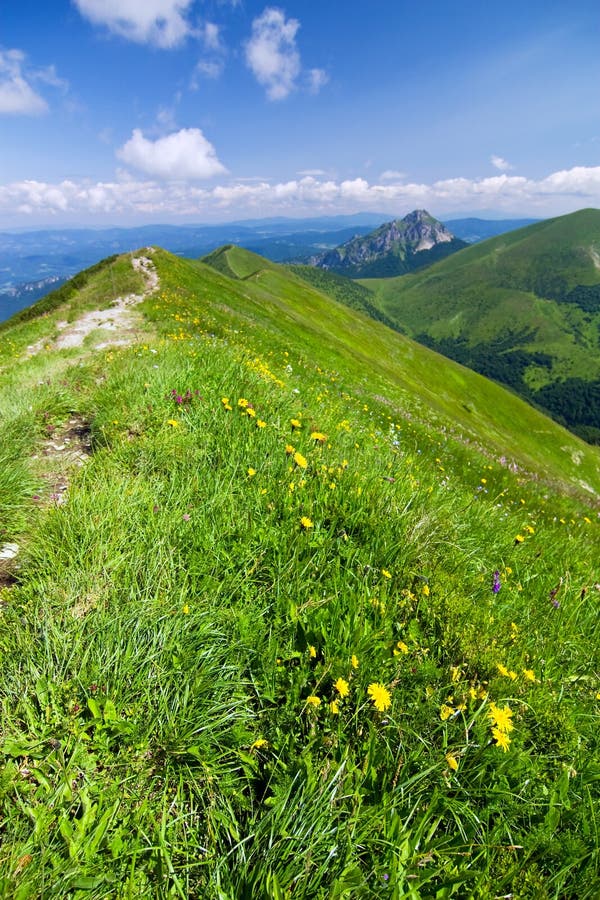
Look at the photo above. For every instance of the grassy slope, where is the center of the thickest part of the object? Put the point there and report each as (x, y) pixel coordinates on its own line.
(196, 639)
(508, 282)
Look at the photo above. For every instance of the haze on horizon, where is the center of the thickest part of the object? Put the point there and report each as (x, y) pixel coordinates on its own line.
(123, 112)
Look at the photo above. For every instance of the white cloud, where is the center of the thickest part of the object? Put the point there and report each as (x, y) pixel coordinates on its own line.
(211, 37)
(17, 97)
(501, 164)
(392, 175)
(159, 22)
(271, 53)
(211, 65)
(317, 78)
(559, 192)
(181, 156)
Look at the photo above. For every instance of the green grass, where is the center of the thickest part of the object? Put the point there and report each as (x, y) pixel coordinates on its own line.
(536, 290)
(190, 646)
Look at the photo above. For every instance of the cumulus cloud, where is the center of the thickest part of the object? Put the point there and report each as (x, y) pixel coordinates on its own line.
(501, 164)
(181, 156)
(271, 53)
(17, 96)
(392, 175)
(559, 192)
(212, 63)
(159, 22)
(317, 78)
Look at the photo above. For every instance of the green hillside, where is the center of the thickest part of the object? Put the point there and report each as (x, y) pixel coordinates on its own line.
(522, 308)
(291, 606)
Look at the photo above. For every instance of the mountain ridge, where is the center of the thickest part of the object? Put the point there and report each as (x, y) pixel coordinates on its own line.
(395, 248)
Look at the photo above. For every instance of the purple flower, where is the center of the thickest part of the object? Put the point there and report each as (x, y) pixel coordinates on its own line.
(496, 584)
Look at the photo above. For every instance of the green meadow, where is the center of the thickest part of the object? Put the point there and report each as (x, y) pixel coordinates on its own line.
(311, 612)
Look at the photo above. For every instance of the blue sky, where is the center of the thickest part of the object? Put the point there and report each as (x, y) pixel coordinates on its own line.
(132, 111)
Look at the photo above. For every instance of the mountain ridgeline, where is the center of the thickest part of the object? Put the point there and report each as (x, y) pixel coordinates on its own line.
(395, 248)
(522, 308)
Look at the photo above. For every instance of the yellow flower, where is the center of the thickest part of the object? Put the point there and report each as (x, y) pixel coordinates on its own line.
(500, 717)
(260, 742)
(529, 674)
(289, 449)
(354, 661)
(242, 402)
(402, 647)
(503, 670)
(342, 687)
(519, 539)
(501, 738)
(380, 696)
(319, 437)
(251, 472)
(313, 700)
(386, 574)
(425, 590)
(260, 423)
(225, 401)
(446, 711)
(334, 707)
(300, 460)
(173, 423)
(186, 609)
(306, 522)
(295, 423)
(312, 652)
(452, 761)
(250, 412)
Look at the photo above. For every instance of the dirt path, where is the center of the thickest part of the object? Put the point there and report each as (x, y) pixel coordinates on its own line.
(120, 322)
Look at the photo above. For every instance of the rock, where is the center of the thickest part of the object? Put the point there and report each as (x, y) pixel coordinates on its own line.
(9, 551)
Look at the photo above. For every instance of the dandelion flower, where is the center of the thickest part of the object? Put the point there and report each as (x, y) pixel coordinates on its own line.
(500, 717)
(519, 539)
(529, 674)
(425, 590)
(300, 460)
(242, 403)
(501, 738)
(402, 647)
(342, 687)
(452, 761)
(257, 744)
(186, 609)
(306, 522)
(313, 700)
(289, 449)
(296, 424)
(250, 412)
(386, 574)
(446, 711)
(319, 437)
(260, 423)
(312, 652)
(380, 696)
(251, 472)
(334, 707)
(173, 423)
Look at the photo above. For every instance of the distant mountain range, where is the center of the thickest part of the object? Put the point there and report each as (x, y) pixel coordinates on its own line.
(522, 308)
(395, 248)
(33, 262)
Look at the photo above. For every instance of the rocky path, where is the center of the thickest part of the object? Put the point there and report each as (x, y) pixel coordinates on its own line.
(120, 322)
